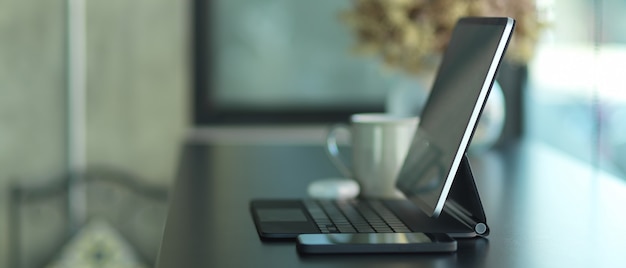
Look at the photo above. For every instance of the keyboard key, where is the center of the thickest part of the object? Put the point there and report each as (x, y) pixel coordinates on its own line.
(354, 216)
(383, 230)
(346, 229)
(333, 229)
(401, 230)
(364, 229)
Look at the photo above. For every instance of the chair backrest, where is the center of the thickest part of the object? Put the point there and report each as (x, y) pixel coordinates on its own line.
(40, 220)
(38, 223)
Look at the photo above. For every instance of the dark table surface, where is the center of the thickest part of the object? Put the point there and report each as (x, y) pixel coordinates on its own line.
(544, 209)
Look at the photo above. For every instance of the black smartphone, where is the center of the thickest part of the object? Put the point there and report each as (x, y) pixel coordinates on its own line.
(335, 243)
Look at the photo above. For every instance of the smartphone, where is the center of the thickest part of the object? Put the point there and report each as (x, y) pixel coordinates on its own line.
(336, 243)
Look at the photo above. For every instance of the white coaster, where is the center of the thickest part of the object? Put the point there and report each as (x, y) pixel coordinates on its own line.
(335, 188)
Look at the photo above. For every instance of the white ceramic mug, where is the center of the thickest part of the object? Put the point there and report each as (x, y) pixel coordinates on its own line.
(379, 144)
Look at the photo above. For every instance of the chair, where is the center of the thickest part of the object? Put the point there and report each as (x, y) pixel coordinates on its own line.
(41, 223)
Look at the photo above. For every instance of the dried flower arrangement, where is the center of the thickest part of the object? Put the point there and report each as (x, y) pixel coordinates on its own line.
(411, 34)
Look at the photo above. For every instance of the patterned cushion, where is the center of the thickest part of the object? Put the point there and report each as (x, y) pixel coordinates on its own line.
(97, 244)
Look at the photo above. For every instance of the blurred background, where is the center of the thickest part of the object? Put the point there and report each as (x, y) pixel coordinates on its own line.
(97, 97)
(94, 89)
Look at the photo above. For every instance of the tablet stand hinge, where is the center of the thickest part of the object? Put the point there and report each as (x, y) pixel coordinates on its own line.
(463, 201)
(463, 215)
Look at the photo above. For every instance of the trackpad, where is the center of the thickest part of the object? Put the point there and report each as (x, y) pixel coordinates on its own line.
(281, 218)
(281, 215)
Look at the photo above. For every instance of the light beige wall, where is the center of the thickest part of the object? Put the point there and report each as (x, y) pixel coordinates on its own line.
(137, 109)
(137, 81)
(32, 100)
(32, 119)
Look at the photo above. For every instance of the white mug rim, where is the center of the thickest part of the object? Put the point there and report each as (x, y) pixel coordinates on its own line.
(381, 118)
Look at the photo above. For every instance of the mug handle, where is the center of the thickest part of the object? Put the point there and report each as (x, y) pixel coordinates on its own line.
(332, 150)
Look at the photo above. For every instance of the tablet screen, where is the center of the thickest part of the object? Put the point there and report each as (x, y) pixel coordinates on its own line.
(456, 100)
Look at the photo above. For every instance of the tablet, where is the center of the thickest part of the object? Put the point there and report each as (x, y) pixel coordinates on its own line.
(456, 100)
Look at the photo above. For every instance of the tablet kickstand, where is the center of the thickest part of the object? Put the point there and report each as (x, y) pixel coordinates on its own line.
(463, 202)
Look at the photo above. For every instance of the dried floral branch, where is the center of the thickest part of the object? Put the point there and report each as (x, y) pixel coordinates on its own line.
(410, 35)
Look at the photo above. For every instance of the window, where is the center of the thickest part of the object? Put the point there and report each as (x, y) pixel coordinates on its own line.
(280, 61)
(577, 94)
